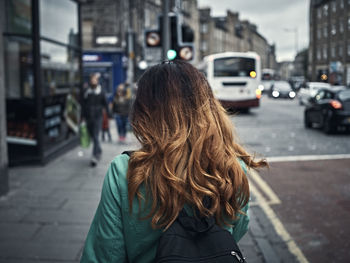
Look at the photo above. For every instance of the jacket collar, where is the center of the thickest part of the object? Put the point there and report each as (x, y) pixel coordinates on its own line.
(95, 91)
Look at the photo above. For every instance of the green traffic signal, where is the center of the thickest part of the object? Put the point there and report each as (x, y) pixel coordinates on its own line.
(171, 54)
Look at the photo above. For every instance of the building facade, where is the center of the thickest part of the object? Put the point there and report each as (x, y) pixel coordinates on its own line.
(229, 33)
(329, 48)
(41, 77)
(106, 25)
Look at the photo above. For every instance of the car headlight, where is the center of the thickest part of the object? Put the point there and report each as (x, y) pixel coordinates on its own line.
(292, 94)
(275, 93)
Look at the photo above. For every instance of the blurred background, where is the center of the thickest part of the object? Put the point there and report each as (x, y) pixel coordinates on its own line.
(280, 68)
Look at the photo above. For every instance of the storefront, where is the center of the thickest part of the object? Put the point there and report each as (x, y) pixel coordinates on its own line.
(110, 64)
(43, 77)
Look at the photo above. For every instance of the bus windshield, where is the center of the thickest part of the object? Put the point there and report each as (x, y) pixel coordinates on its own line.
(233, 67)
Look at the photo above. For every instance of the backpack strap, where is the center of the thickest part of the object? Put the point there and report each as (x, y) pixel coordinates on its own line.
(129, 153)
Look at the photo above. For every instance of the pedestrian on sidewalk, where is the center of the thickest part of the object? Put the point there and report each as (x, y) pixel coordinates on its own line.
(93, 104)
(105, 126)
(121, 109)
(189, 159)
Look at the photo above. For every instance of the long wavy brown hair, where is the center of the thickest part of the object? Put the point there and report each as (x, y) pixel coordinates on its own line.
(188, 148)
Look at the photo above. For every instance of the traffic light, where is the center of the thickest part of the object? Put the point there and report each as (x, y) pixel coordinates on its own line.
(181, 39)
(153, 38)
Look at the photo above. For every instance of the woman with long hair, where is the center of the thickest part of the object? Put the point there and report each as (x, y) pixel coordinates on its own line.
(189, 152)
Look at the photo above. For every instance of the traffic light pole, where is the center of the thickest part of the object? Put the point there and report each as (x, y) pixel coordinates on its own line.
(166, 30)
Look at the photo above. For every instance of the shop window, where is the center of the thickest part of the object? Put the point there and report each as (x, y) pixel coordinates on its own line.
(59, 21)
(319, 33)
(341, 4)
(18, 68)
(60, 69)
(60, 76)
(325, 31)
(340, 51)
(348, 49)
(319, 13)
(19, 18)
(19, 89)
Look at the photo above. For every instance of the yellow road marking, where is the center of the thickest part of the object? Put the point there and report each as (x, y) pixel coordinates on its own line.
(272, 197)
(277, 224)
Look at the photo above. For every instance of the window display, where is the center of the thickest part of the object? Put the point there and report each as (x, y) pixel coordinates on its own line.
(19, 68)
(42, 90)
(21, 122)
(60, 69)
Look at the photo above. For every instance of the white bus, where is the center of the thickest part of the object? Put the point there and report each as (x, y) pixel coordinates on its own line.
(234, 78)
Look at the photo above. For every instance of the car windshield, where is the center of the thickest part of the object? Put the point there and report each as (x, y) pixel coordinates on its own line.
(233, 67)
(344, 95)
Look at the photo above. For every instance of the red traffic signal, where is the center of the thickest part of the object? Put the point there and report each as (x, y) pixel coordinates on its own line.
(185, 52)
(153, 38)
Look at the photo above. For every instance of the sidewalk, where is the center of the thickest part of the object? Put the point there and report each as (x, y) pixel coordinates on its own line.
(47, 214)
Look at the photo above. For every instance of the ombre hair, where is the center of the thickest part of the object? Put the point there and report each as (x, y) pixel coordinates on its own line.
(189, 150)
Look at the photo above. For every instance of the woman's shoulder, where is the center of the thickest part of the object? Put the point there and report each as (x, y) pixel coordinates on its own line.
(117, 171)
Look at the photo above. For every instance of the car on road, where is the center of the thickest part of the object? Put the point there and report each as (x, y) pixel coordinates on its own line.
(282, 89)
(328, 109)
(309, 90)
(265, 86)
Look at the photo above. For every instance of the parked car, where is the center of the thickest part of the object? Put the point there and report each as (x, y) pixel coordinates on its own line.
(309, 90)
(282, 89)
(328, 109)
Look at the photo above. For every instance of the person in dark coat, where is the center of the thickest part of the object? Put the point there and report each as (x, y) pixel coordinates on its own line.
(93, 105)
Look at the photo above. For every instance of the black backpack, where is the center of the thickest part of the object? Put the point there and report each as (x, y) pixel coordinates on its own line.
(197, 239)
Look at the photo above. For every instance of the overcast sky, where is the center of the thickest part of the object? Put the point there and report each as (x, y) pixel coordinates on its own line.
(276, 20)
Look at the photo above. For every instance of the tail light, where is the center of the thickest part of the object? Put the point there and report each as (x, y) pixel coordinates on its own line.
(336, 104)
(258, 93)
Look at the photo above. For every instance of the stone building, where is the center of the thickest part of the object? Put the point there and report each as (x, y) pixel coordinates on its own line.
(329, 48)
(301, 63)
(229, 33)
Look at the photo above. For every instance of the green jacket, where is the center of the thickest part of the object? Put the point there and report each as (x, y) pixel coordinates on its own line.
(116, 235)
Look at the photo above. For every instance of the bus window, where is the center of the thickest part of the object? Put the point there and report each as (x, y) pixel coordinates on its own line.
(233, 67)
